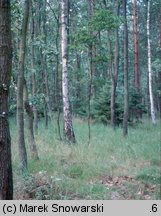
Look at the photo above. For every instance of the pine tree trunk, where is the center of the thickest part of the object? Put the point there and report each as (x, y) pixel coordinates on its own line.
(114, 73)
(20, 111)
(126, 103)
(152, 110)
(137, 112)
(6, 182)
(68, 126)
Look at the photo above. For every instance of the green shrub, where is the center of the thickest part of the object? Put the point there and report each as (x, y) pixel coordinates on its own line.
(100, 107)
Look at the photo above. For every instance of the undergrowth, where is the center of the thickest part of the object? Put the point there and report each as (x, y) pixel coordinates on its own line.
(131, 166)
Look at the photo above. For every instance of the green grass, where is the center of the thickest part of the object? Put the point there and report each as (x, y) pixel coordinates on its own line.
(75, 171)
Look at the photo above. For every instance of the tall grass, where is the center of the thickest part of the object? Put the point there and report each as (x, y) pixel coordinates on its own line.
(74, 167)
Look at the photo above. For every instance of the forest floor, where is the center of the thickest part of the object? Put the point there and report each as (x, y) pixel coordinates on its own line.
(110, 167)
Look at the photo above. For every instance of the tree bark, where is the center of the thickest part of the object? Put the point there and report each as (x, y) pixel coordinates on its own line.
(136, 59)
(29, 119)
(91, 90)
(126, 103)
(20, 111)
(68, 126)
(57, 80)
(152, 110)
(49, 107)
(35, 112)
(91, 52)
(44, 88)
(114, 74)
(6, 181)
(78, 67)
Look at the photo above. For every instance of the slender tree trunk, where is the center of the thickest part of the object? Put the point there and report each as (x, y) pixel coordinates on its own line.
(91, 69)
(57, 87)
(20, 112)
(57, 90)
(56, 78)
(44, 88)
(68, 126)
(92, 51)
(78, 88)
(49, 107)
(113, 98)
(126, 103)
(39, 24)
(89, 94)
(137, 112)
(114, 73)
(6, 182)
(29, 119)
(35, 112)
(136, 59)
(152, 110)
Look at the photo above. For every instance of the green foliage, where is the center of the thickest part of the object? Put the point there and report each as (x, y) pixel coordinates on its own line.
(82, 39)
(157, 65)
(101, 111)
(104, 20)
(16, 13)
(100, 59)
(136, 107)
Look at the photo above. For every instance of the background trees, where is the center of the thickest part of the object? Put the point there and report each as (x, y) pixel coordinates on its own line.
(74, 61)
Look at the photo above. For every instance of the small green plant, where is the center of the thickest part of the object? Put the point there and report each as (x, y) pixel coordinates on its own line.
(150, 175)
(74, 171)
